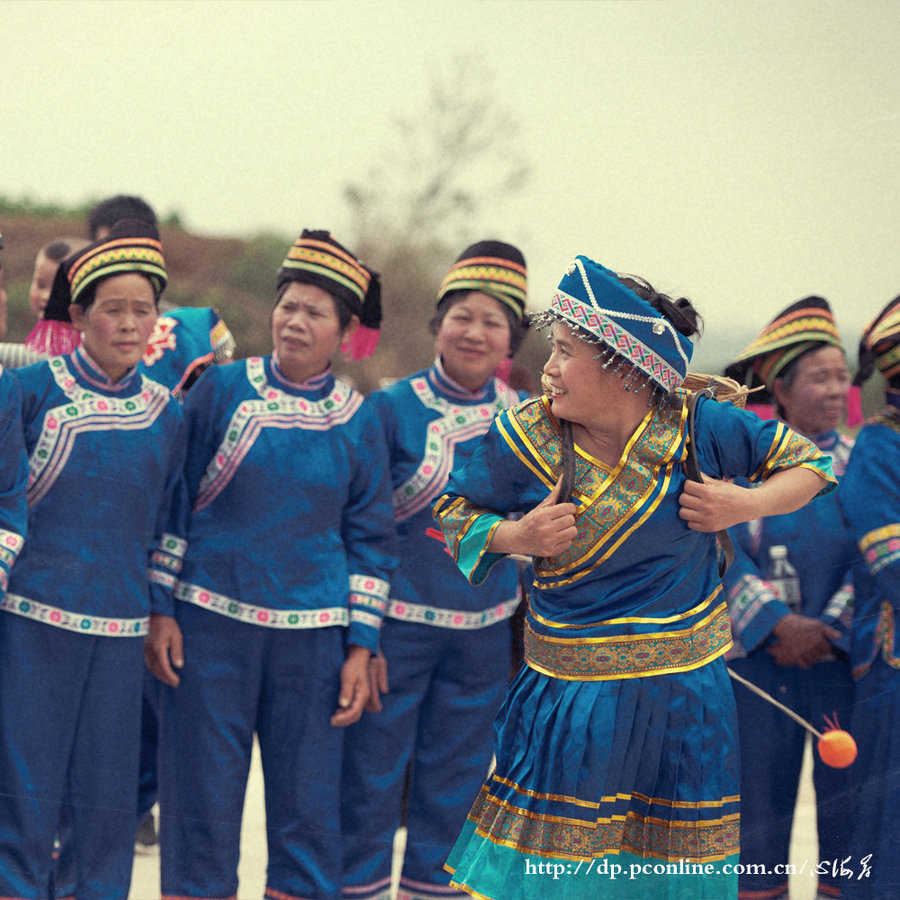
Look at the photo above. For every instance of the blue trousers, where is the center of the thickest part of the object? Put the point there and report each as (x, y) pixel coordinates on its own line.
(446, 686)
(239, 680)
(771, 758)
(69, 733)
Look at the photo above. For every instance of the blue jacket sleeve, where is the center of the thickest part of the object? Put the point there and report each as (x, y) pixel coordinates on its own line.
(13, 476)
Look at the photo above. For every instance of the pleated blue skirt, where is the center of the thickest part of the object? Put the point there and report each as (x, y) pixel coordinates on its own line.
(625, 788)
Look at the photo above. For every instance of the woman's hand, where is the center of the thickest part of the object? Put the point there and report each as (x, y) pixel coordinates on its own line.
(547, 530)
(802, 641)
(164, 649)
(715, 505)
(378, 682)
(354, 687)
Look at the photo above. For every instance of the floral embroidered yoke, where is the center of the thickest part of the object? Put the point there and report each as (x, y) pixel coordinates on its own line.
(618, 735)
(319, 553)
(95, 449)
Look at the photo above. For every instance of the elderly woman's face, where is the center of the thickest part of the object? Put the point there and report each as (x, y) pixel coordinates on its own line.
(815, 398)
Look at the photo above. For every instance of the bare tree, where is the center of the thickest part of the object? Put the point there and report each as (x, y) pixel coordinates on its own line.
(419, 203)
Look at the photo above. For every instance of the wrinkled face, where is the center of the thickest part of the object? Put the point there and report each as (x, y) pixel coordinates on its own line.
(117, 325)
(41, 282)
(473, 339)
(815, 400)
(577, 384)
(306, 330)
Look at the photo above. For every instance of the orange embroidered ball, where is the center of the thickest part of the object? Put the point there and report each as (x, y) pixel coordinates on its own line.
(837, 749)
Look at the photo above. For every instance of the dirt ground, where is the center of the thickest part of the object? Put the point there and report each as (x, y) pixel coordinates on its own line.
(252, 870)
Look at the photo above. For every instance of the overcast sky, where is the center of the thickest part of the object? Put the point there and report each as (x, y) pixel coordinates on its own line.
(744, 154)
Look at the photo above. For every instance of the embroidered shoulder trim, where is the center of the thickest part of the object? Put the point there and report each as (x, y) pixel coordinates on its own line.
(86, 411)
(274, 408)
(457, 424)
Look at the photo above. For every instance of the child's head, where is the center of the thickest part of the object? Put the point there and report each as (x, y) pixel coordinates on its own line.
(45, 265)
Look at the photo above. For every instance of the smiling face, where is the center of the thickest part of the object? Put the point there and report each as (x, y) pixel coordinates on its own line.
(814, 398)
(473, 339)
(117, 325)
(41, 282)
(577, 384)
(306, 330)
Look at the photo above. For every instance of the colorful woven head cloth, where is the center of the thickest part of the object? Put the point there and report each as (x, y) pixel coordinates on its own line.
(592, 298)
(804, 325)
(493, 268)
(130, 246)
(880, 345)
(317, 258)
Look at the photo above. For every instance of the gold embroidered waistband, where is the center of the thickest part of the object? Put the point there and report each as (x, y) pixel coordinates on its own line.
(630, 656)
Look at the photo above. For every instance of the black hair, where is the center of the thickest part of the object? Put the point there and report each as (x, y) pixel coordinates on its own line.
(680, 312)
(58, 250)
(518, 328)
(123, 206)
(344, 313)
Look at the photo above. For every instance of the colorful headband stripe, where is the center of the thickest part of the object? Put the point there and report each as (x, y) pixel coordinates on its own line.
(493, 268)
(502, 279)
(881, 339)
(114, 257)
(591, 297)
(328, 261)
(803, 326)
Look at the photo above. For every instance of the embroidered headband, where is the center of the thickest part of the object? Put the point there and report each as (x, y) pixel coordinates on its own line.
(317, 258)
(592, 298)
(130, 246)
(804, 325)
(880, 344)
(493, 268)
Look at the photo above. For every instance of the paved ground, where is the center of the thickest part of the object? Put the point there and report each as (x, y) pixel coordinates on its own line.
(252, 871)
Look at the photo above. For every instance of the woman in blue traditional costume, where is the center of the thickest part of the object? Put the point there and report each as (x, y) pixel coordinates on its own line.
(13, 474)
(445, 645)
(616, 745)
(106, 448)
(869, 497)
(793, 647)
(278, 556)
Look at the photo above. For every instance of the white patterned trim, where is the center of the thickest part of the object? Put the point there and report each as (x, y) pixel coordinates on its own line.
(61, 618)
(457, 424)
(10, 547)
(450, 618)
(85, 411)
(166, 579)
(361, 617)
(274, 409)
(260, 615)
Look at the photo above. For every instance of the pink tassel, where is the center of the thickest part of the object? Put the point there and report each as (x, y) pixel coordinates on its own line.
(363, 343)
(50, 337)
(854, 407)
(504, 370)
(765, 411)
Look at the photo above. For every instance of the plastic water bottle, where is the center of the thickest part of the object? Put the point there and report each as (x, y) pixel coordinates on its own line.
(782, 578)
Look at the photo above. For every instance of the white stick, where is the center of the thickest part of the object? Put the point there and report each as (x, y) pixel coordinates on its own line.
(760, 692)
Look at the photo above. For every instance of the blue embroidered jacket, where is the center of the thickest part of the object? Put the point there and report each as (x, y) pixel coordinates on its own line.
(432, 424)
(284, 517)
(819, 547)
(869, 498)
(104, 459)
(13, 476)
